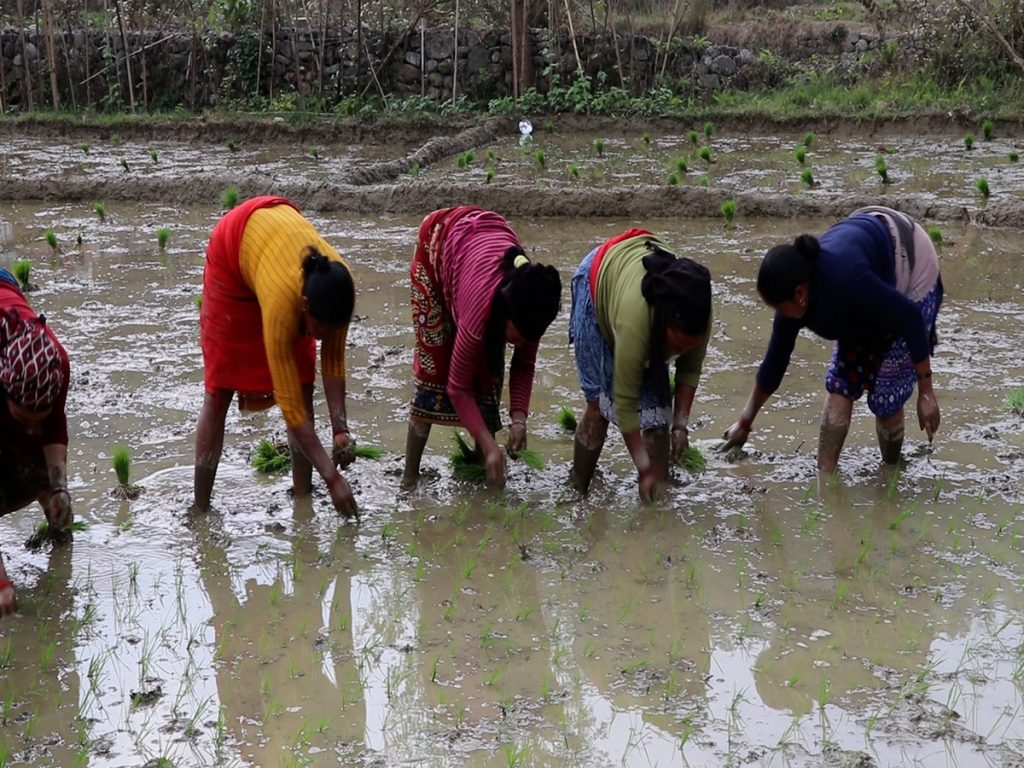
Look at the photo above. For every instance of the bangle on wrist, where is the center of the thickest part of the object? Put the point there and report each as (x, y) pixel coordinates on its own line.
(681, 428)
(518, 422)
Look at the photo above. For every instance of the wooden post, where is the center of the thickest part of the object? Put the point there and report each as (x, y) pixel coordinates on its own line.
(24, 57)
(455, 56)
(51, 54)
(127, 59)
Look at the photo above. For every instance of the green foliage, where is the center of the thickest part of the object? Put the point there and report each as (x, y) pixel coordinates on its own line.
(935, 234)
(694, 137)
(969, 141)
(540, 158)
(154, 155)
(162, 236)
(271, 457)
(229, 199)
(231, 145)
(45, 533)
(728, 210)
(367, 452)
(709, 129)
(646, 139)
(986, 130)
(566, 419)
(490, 176)
(124, 164)
(882, 168)
(122, 461)
(808, 139)
(705, 154)
(574, 170)
(22, 269)
(491, 156)
(681, 166)
(1014, 156)
(1014, 402)
(807, 177)
(198, 301)
(704, 181)
(532, 459)
(101, 211)
(549, 126)
(51, 239)
(800, 153)
(599, 146)
(692, 460)
(314, 152)
(465, 462)
(414, 170)
(982, 186)
(673, 179)
(84, 147)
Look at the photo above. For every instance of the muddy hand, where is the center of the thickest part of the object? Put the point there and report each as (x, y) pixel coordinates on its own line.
(58, 510)
(928, 414)
(648, 486)
(494, 465)
(516, 439)
(680, 442)
(341, 496)
(8, 602)
(343, 451)
(735, 436)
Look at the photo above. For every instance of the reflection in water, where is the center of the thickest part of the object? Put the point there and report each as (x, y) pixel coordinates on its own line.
(755, 617)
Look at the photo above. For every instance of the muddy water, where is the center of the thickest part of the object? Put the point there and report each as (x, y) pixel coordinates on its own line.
(752, 618)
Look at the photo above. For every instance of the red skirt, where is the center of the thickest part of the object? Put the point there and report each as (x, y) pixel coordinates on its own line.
(230, 320)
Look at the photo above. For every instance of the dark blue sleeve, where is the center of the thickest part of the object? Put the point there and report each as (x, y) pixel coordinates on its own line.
(776, 357)
(886, 308)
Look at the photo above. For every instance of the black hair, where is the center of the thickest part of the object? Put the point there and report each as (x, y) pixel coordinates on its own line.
(328, 288)
(530, 295)
(785, 267)
(679, 292)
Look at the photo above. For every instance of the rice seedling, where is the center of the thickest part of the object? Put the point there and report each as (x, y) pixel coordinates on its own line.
(681, 166)
(566, 419)
(692, 460)
(45, 533)
(461, 162)
(84, 147)
(271, 457)
(986, 129)
(100, 210)
(231, 145)
(465, 462)
(198, 301)
(371, 452)
(124, 164)
(162, 236)
(704, 181)
(673, 179)
(694, 138)
(705, 154)
(51, 240)
(532, 459)
(969, 141)
(229, 198)
(646, 139)
(982, 186)
(574, 170)
(808, 138)
(491, 155)
(882, 169)
(22, 269)
(599, 146)
(728, 211)
(78, 240)
(314, 152)
(116, 140)
(540, 158)
(807, 177)
(1014, 156)
(800, 153)
(935, 234)
(122, 462)
(154, 155)
(490, 176)
(1014, 402)
(709, 129)
(414, 170)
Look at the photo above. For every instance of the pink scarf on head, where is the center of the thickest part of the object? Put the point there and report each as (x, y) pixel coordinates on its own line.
(31, 372)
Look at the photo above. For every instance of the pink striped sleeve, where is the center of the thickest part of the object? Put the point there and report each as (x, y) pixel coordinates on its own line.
(520, 378)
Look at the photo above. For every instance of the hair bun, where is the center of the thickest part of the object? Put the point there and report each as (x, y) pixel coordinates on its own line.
(808, 246)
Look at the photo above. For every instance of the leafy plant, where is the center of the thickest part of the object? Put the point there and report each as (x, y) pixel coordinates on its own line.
(122, 462)
(532, 459)
(704, 181)
(800, 153)
(465, 462)
(807, 177)
(982, 186)
(229, 199)
(271, 457)
(368, 452)
(540, 158)
(566, 419)
(986, 129)
(646, 139)
(1014, 156)
(673, 179)
(574, 170)
(230, 144)
(198, 301)
(882, 168)
(84, 147)
(728, 210)
(709, 129)
(414, 170)
(22, 269)
(314, 152)
(51, 240)
(599, 146)
(692, 460)
(705, 154)
(154, 155)
(808, 139)
(969, 141)
(935, 234)
(45, 533)
(124, 164)
(162, 236)
(100, 210)
(1014, 402)
(694, 137)
(490, 175)
(681, 166)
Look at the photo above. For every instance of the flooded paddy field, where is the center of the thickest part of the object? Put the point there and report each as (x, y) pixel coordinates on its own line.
(755, 617)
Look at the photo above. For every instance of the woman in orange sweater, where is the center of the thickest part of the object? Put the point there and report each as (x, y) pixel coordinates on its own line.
(272, 286)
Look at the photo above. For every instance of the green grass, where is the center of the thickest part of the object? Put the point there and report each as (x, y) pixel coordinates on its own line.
(100, 210)
(599, 146)
(154, 155)
(464, 461)
(51, 239)
(270, 457)
(368, 452)
(44, 533)
(808, 139)
(229, 199)
(673, 179)
(968, 141)
(728, 210)
(1014, 156)
(22, 270)
(807, 177)
(692, 460)
(122, 461)
(532, 459)
(162, 236)
(986, 130)
(681, 166)
(705, 154)
(882, 169)
(935, 234)
(1014, 402)
(800, 153)
(566, 419)
(982, 186)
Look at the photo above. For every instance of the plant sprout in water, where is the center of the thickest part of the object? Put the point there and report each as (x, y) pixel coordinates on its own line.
(490, 176)
(84, 147)
(646, 138)
(414, 170)
(705, 154)
(162, 236)
(969, 141)
(704, 181)
(154, 155)
(124, 164)
(314, 152)
(599, 146)
(935, 234)
(800, 153)
(230, 144)
(807, 177)
(1014, 402)
(681, 166)
(574, 170)
(51, 240)
(271, 457)
(101, 211)
(709, 129)
(673, 179)
(22, 269)
(229, 199)
(566, 419)
(122, 462)
(540, 158)
(728, 210)
(986, 129)
(808, 139)
(982, 187)
(1014, 156)
(694, 137)
(882, 168)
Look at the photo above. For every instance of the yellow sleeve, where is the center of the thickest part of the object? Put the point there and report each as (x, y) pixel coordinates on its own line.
(332, 354)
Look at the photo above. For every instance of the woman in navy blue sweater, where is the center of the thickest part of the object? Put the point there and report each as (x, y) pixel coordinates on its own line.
(871, 284)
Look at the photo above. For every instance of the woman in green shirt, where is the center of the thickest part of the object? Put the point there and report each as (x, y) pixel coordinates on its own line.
(635, 307)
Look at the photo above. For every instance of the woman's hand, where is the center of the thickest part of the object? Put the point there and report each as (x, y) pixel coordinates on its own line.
(736, 435)
(494, 465)
(648, 485)
(58, 509)
(680, 441)
(928, 413)
(343, 451)
(516, 438)
(341, 496)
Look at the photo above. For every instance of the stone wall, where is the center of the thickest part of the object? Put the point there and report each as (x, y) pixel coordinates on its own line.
(299, 69)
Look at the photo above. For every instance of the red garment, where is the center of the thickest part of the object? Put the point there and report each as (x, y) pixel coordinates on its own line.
(230, 321)
(595, 265)
(22, 466)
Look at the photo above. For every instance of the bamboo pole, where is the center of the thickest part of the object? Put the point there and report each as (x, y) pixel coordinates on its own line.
(24, 56)
(572, 36)
(51, 53)
(455, 56)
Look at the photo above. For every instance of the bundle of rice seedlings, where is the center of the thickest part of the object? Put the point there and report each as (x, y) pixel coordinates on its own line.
(46, 533)
(122, 462)
(532, 459)
(465, 463)
(271, 457)
(567, 419)
(367, 452)
(692, 460)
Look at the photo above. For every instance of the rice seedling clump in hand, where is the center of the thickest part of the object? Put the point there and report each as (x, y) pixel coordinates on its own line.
(465, 462)
(271, 457)
(122, 461)
(45, 533)
(692, 460)
(532, 459)
(567, 419)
